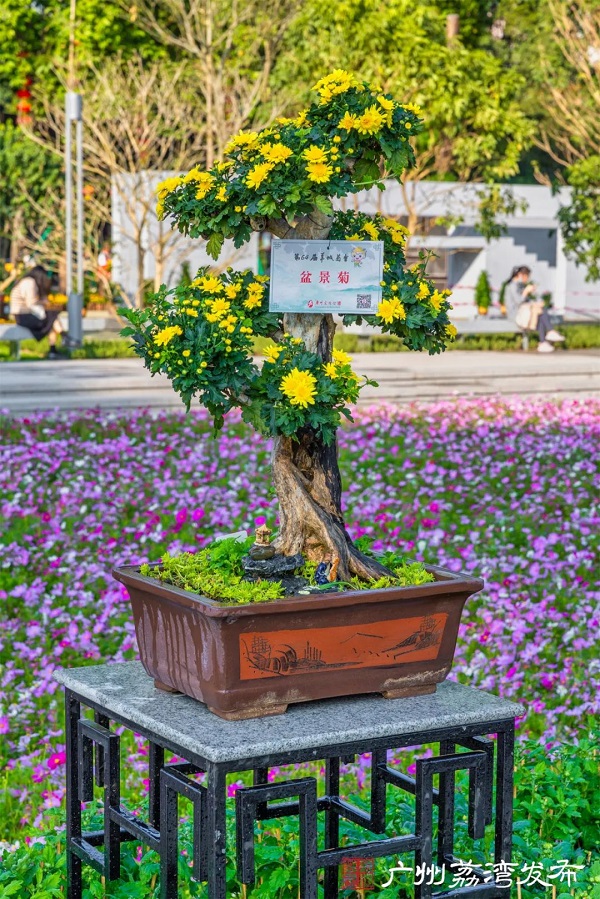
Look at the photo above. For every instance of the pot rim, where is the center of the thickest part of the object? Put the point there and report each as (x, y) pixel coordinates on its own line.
(446, 582)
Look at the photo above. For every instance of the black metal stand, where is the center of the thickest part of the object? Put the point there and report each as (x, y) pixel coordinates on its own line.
(93, 755)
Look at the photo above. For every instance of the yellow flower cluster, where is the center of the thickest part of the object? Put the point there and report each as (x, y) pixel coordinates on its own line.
(276, 152)
(255, 295)
(371, 121)
(257, 175)
(338, 82)
(437, 298)
(218, 308)
(396, 231)
(299, 387)
(391, 310)
(241, 140)
(412, 107)
(208, 283)
(162, 338)
(317, 159)
(332, 369)
(273, 352)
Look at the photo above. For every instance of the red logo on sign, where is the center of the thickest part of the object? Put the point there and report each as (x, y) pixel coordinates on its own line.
(358, 874)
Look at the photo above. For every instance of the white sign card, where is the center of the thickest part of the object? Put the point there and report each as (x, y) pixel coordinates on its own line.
(342, 276)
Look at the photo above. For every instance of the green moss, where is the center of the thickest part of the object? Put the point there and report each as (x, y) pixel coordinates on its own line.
(217, 572)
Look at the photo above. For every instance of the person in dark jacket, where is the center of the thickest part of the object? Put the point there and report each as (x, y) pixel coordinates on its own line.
(29, 307)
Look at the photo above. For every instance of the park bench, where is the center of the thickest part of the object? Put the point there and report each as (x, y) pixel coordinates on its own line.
(14, 334)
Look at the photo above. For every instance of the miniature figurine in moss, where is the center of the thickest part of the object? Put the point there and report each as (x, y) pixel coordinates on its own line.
(262, 549)
(201, 336)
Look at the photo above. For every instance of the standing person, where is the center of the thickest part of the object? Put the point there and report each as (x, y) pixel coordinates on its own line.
(518, 296)
(29, 306)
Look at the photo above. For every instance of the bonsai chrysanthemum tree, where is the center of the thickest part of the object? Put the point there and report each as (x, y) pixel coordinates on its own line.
(282, 179)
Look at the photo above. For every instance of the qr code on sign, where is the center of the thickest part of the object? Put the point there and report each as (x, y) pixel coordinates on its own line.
(363, 301)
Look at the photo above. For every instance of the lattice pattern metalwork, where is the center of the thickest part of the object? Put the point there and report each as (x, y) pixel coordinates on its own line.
(93, 758)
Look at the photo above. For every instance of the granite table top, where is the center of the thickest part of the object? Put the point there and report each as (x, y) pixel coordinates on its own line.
(127, 692)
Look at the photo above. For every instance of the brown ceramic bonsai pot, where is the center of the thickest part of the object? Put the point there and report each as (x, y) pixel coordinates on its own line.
(253, 660)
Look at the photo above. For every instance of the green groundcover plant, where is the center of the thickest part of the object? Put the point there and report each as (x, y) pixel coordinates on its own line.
(217, 572)
(556, 841)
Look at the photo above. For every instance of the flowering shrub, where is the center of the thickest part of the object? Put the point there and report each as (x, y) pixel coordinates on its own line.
(200, 335)
(349, 139)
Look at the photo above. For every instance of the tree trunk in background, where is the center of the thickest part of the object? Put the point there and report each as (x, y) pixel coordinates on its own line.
(306, 474)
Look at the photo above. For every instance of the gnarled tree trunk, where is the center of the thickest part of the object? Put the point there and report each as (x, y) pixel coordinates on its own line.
(305, 471)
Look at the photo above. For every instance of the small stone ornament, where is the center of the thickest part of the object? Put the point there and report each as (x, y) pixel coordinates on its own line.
(323, 570)
(261, 549)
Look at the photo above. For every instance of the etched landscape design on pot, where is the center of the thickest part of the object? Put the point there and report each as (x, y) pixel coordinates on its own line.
(291, 652)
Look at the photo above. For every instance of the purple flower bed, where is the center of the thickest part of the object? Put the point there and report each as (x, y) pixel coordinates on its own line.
(501, 488)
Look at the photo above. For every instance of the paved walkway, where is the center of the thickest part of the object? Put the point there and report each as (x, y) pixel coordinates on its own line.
(402, 377)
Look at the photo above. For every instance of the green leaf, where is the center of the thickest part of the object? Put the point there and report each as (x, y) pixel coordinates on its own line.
(324, 205)
(214, 245)
(366, 172)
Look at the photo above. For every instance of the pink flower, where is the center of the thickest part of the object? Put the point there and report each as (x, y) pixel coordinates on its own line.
(4, 727)
(57, 759)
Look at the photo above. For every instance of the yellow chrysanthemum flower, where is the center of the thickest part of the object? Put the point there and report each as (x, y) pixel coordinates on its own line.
(412, 107)
(222, 194)
(315, 154)
(220, 307)
(202, 190)
(209, 284)
(186, 353)
(388, 106)
(435, 300)
(341, 358)
(347, 122)
(451, 331)
(330, 369)
(385, 103)
(276, 152)
(163, 188)
(301, 118)
(423, 291)
(243, 139)
(319, 172)
(370, 229)
(258, 174)
(390, 310)
(199, 176)
(299, 387)
(162, 338)
(232, 290)
(356, 236)
(253, 301)
(371, 121)
(272, 352)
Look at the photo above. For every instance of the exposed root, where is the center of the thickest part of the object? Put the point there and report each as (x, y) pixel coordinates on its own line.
(307, 482)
